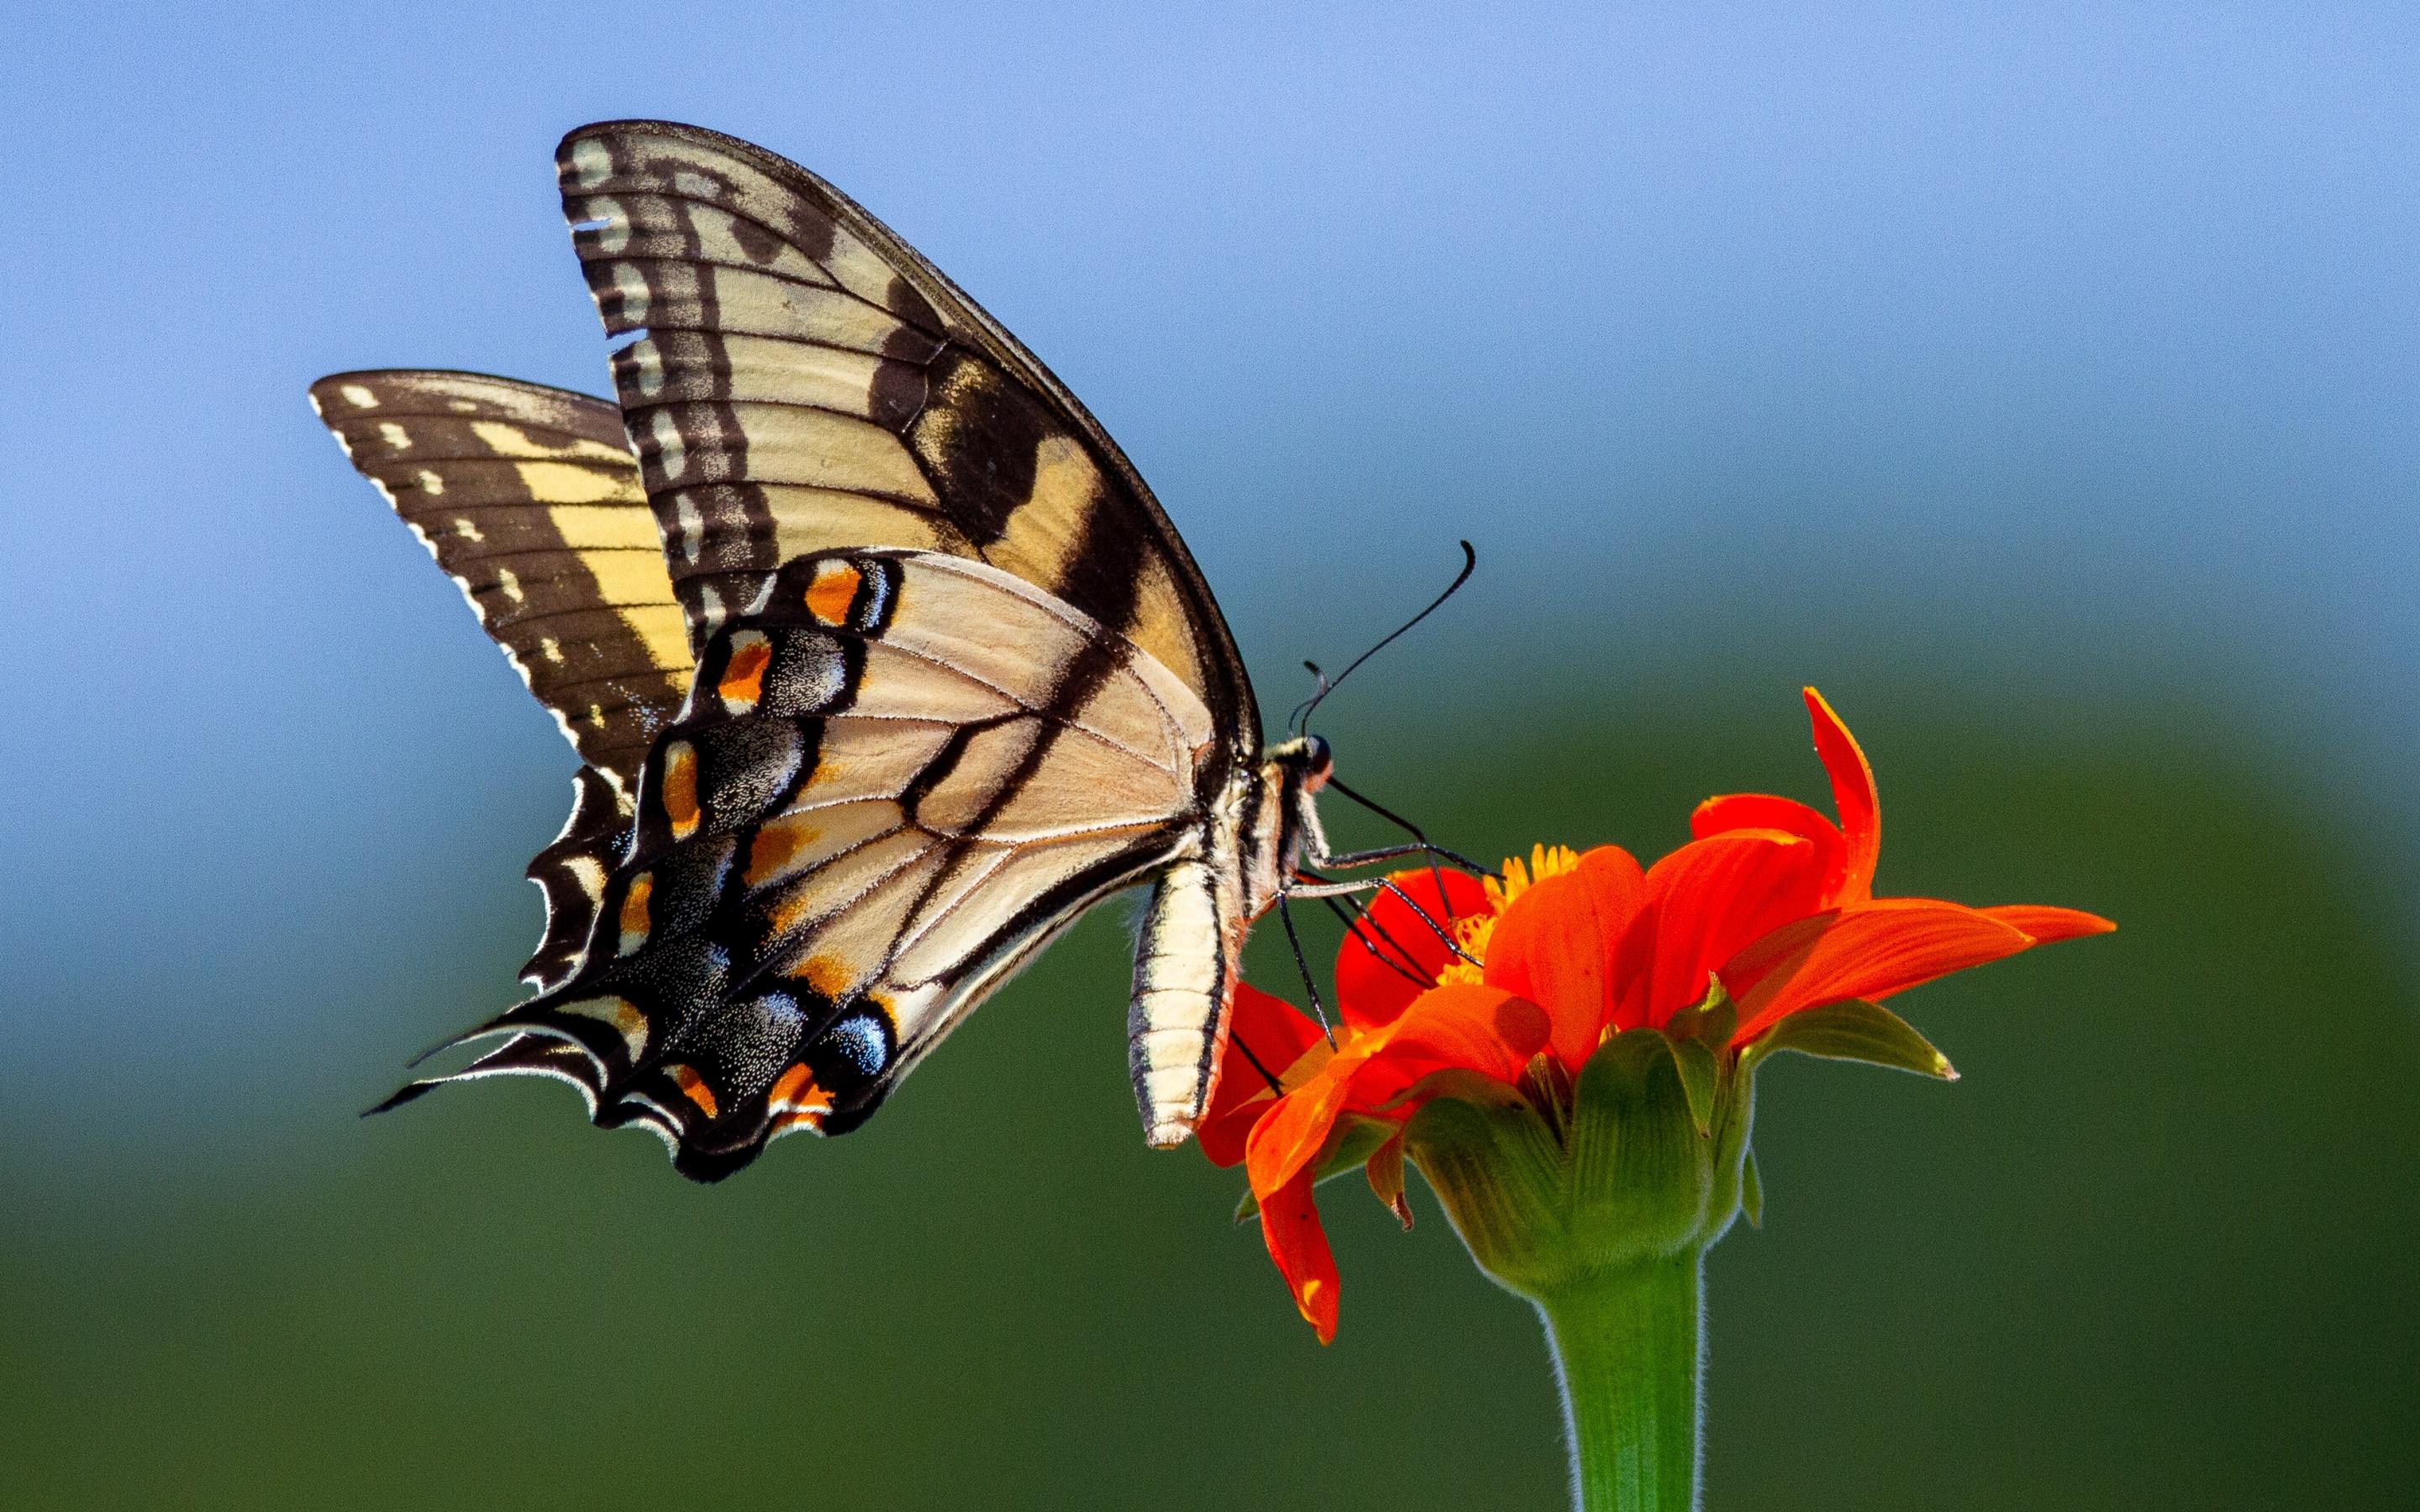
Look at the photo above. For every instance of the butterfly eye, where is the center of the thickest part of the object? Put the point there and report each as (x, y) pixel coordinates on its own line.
(1318, 764)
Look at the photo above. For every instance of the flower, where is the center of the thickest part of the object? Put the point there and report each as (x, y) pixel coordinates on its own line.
(1502, 991)
(1349, 1101)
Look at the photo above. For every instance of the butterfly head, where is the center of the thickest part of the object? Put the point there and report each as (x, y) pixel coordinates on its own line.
(1305, 762)
(1276, 818)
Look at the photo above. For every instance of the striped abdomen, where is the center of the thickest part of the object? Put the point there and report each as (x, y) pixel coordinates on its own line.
(1185, 975)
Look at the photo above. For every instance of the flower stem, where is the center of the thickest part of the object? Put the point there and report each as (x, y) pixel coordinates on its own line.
(1628, 1355)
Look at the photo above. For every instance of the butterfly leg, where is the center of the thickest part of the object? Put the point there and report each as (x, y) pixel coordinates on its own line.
(1370, 858)
(1322, 887)
(1333, 889)
(1309, 985)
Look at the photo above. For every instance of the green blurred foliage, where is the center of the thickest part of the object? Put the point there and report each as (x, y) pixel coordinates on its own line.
(2155, 1250)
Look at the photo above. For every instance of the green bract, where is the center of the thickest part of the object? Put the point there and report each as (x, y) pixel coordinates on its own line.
(1645, 1162)
(1596, 1198)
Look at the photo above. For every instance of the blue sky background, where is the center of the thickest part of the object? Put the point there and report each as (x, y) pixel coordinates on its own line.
(2065, 354)
(2039, 379)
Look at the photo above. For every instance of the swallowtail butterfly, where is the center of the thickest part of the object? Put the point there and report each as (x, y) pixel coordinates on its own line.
(882, 660)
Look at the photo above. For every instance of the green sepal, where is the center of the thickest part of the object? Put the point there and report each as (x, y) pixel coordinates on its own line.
(1853, 1031)
(1645, 1169)
(1711, 1023)
(1500, 1173)
(1356, 1139)
(1640, 1168)
(1751, 1191)
(1701, 1041)
(1700, 1080)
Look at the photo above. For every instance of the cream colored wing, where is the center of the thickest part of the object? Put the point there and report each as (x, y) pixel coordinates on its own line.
(897, 775)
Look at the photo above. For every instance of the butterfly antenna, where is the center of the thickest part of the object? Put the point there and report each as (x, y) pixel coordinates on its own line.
(1469, 565)
(1302, 710)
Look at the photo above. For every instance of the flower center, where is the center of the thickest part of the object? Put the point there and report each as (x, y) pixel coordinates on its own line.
(1544, 861)
(1473, 932)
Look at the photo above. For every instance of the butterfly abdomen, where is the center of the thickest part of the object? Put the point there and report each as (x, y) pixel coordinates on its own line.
(1185, 975)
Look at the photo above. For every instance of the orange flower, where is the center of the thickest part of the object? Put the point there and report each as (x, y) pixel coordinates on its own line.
(1770, 902)
(1368, 1083)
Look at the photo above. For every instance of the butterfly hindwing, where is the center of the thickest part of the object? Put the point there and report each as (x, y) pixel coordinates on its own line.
(530, 500)
(896, 775)
(571, 873)
(806, 381)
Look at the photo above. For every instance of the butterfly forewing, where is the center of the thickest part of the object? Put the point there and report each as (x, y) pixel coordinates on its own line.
(804, 381)
(895, 776)
(956, 676)
(530, 500)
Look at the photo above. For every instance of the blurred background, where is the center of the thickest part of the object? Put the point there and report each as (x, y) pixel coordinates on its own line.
(2036, 380)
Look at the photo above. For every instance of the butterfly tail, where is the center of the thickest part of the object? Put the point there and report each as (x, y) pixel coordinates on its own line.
(523, 1055)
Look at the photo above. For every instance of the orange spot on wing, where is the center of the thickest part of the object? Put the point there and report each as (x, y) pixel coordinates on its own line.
(793, 910)
(799, 1091)
(630, 1024)
(680, 788)
(775, 846)
(825, 974)
(833, 591)
(693, 1087)
(743, 675)
(635, 918)
(797, 1101)
(626, 1021)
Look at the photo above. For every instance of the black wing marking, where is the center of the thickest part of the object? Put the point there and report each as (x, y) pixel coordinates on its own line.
(895, 778)
(807, 381)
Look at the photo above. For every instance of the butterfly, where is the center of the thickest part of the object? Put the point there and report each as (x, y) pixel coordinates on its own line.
(882, 661)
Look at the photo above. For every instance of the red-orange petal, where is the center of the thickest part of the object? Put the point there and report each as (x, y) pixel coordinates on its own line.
(1870, 951)
(2047, 924)
(1853, 795)
(1703, 903)
(1764, 811)
(1463, 1024)
(1274, 1035)
(1223, 1130)
(1288, 1138)
(1392, 955)
(1555, 946)
(1298, 1245)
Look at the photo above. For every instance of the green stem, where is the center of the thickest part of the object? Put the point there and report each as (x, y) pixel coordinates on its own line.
(1628, 1353)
